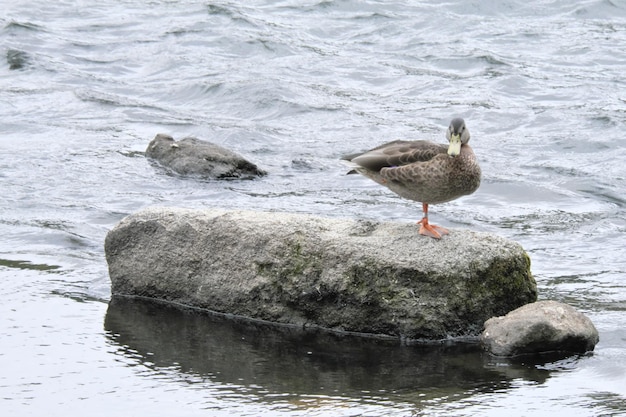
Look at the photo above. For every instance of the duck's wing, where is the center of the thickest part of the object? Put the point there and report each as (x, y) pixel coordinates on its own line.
(397, 153)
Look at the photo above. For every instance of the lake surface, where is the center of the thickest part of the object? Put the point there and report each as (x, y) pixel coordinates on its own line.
(84, 86)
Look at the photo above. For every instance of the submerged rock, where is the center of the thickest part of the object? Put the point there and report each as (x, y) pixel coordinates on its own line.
(344, 275)
(544, 326)
(191, 156)
(17, 59)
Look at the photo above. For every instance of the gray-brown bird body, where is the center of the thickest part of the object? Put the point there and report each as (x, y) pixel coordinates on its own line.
(421, 170)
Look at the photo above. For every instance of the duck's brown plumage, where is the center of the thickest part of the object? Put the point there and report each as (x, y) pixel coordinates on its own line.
(424, 171)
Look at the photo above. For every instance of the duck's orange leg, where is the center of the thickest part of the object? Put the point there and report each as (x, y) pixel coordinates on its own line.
(428, 229)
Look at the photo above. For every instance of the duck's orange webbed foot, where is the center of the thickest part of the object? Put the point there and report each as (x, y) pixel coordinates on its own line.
(431, 230)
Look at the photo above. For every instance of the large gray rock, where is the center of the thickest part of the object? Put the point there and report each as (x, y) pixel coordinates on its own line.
(346, 275)
(544, 326)
(191, 156)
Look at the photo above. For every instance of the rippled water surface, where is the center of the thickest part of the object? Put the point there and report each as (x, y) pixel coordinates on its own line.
(84, 86)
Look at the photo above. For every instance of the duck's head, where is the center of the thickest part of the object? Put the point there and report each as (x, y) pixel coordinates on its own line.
(457, 134)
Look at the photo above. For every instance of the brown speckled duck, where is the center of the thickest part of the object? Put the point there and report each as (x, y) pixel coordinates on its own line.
(424, 171)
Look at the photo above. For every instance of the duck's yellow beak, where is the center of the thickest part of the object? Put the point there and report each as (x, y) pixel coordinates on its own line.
(455, 145)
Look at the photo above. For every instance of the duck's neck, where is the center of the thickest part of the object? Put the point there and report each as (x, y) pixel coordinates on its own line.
(466, 151)
(465, 158)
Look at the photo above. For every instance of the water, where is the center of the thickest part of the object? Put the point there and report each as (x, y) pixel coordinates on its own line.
(293, 86)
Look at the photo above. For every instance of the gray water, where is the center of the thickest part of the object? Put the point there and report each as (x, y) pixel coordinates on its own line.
(84, 86)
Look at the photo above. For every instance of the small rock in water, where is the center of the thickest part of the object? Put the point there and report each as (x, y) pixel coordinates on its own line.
(191, 156)
(544, 326)
(17, 60)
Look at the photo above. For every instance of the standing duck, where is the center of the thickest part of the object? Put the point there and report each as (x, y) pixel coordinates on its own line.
(424, 171)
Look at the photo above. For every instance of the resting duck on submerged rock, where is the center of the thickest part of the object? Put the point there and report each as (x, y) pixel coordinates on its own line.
(424, 171)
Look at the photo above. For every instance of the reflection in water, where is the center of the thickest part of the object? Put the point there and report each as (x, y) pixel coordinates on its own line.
(273, 361)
